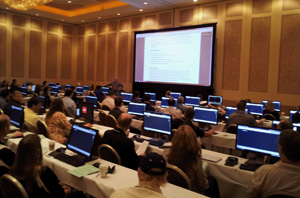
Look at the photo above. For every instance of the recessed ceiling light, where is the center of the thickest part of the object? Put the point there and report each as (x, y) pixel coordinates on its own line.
(36, 14)
(195, 0)
(145, 3)
(141, 10)
(69, 1)
(99, 17)
(62, 20)
(7, 8)
(118, 14)
(82, 20)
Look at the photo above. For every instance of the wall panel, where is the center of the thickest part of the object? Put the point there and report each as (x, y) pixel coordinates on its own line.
(36, 24)
(261, 6)
(111, 57)
(66, 61)
(291, 4)
(210, 12)
(123, 56)
(80, 59)
(2, 50)
(186, 15)
(19, 20)
(35, 54)
(137, 22)
(3, 17)
(91, 58)
(53, 27)
(124, 24)
(51, 56)
(100, 58)
(18, 53)
(234, 9)
(67, 29)
(165, 18)
(150, 20)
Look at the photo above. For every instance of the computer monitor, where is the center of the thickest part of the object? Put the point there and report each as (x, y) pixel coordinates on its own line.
(276, 104)
(192, 101)
(230, 110)
(43, 104)
(127, 97)
(33, 88)
(292, 112)
(59, 87)
(152, 96)
(105, 90)
(67, 86)
(51, 84)
(85, 88)
(27, 83)
(17, 116)
(175, 94)
(79, 90)
(255, 108)
(164, 102)
(24, 91)
(157, 122)
(76, 143)
(216, 100)
(54, 90)
(258, 140)
(91, 99)
(206, 115)
(85, 110)
(136, 108)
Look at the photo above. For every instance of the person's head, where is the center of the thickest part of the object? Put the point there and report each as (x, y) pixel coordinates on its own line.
(285, 124)
(45, 84)
(57, 105)
(180, 100)
(248, 100)
(136, 94)
(98, 87)
(241, 105)
(289, 146)
(118, 101)
(147, 98)
(4, 126)
(189, 113)
(270, 106)
(111, 93)
(16, 95)
(116, 79)
(69, 93)
(38, 88)
(171, 102)
(296, 117)
(34, 104)
(152, 170)
(168, 93)
(4, 94)
(78, 84)
(124, 121)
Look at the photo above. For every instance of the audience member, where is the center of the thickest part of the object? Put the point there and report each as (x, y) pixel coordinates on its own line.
(180, 104)
(15, 99)
(168, 94)
(284, 124)
(147, 99)
(152, 174)
(117, 138)
(58, 125)
(282, 177)
(31, 119)
(270, 109)
(136, 95)
(186, 154)
(45, 93)
(188, 120)
(14, 84)
(4, 97)
(98, 93)
(296, 117)
(116, 86)
(38, 90)
(118, 105)
(176, 113)
(109, 100)
(74, 96)
(69, 104)
(38, 180)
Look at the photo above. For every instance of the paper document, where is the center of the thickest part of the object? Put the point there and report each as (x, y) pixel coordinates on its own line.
(84, 170)
(142, 148)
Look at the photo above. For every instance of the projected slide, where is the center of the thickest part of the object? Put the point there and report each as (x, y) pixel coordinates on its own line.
(181, 56)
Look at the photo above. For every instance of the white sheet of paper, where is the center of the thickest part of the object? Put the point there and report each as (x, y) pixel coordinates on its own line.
(142, 147)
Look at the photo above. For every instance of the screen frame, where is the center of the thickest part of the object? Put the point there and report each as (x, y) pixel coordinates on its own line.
(215, 123)
(157, 113)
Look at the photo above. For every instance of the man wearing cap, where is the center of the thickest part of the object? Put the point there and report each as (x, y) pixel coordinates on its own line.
(152, 175)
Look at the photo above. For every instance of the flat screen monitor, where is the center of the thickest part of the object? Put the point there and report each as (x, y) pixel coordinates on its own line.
(75, 143)
(175, 94)
(85, 110)
(24, 91)
(157, 122)
(27, 83)
(67, 86)
(216, 100)
(292, 112)
(164, 102)
(105, 90)
(127, 97)
(136, 108)
(79, 90)
(85, 88)
(206, 115)
(33, 88)
(51, 84)
(230, 110)
(17, 116)
(55, 90)
(152, 95)
(255, 108)
(91, 99)
(192, 101)
(59, 87)
(43, 104)
(256, 139)
(276, 104)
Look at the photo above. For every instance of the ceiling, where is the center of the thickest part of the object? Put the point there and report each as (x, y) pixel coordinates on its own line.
(87, 11)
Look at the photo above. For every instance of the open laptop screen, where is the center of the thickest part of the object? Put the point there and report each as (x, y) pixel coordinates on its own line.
(55, 90)
(105, 90)
(216, 100)
(91, 99)
(85, 88)
(85, 110)
(17, 116)
(127, 97)
(24, 91)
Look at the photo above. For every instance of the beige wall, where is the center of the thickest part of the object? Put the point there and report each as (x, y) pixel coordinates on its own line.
(257, 48)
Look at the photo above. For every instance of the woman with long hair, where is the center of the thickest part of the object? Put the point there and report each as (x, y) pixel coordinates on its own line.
(185, 153)
(270, 109)
(38, 180)
(58, 125)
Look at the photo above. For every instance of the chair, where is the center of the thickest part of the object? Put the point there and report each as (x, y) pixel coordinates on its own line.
(232, 128)
(269, 116)
(105, 107)
(1, 111)
(11, 188)
(111, 121)
(280, 196)
(35, 95)
(102, 117)
(98, 105)
(42, 128)
(108, 153)
(177, 177)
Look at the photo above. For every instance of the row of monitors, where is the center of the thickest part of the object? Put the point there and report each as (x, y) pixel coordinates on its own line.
(252, 108)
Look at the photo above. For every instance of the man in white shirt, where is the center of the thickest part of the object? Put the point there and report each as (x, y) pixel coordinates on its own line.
(176, 113)
(109, 101)
(69, 104)
(31, 119)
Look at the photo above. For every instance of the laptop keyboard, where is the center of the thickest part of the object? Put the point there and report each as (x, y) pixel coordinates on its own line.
(153, 142)
(73, 161)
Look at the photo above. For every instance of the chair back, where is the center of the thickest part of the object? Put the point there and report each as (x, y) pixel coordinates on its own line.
(108, 153)
(281, 196)
(232, 129)
(269, 116)
(1, 111)
(42, 128)
(102, 117)
(105, 107)
(111, 121)
(177, 177)
(11, 187)
(98, 105)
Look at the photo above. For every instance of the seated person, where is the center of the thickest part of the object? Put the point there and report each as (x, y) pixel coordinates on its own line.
(15, 99)
(98, 93)
(187, 119)
(176, 113)
(284, 124)
(152, 174)
(118, 105)
(4, 96)
(136, 95)
(168, 94)
(38, 180)
(109, 100)
(117, 138)
(180, 104)
(270, 109)
(147, 99)
(31, 119)
(296, 118)
(69, 104)
(282, 177)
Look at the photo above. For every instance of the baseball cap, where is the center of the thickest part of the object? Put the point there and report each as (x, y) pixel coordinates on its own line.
(153, 164)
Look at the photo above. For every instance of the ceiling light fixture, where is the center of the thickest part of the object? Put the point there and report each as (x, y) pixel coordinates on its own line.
(69, 1)
(36, 14)
(99, 17)
(141, 10)
(62, 20)
(145, 3)
(7, 8)
(195, 0)
(82, 20)
(25, 4)
(118, 14)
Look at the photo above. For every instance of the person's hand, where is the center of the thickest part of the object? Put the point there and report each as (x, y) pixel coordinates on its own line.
(88, 125)
(127, 133)
(18, 134)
